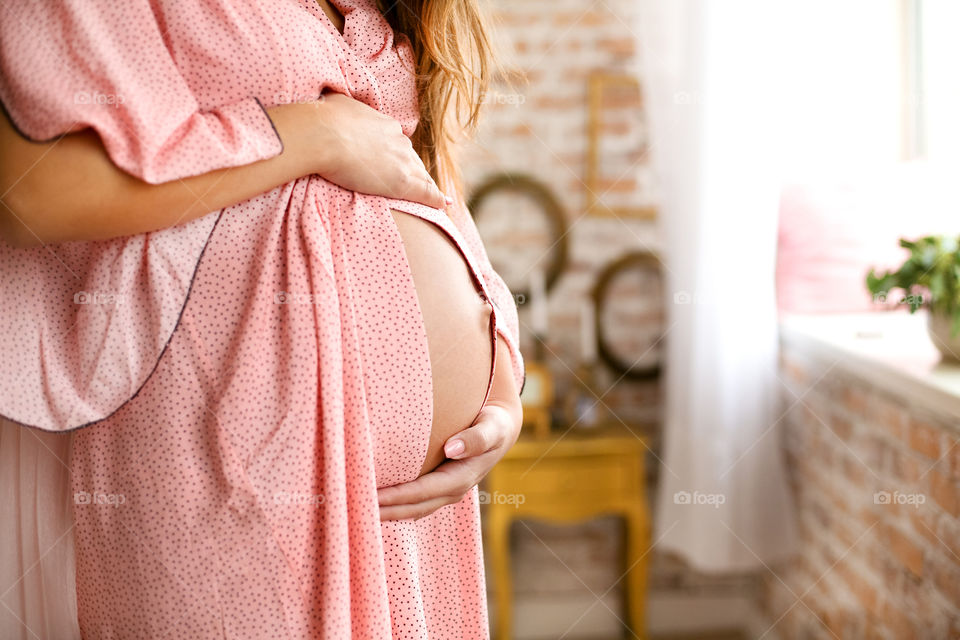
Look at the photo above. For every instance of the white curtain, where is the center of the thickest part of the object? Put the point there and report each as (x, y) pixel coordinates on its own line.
(710, 75)
(38, 597)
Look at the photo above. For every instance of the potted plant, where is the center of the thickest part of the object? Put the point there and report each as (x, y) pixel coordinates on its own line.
(929, 278)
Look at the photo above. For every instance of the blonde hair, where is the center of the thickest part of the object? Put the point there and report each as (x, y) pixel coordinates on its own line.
(454, 58)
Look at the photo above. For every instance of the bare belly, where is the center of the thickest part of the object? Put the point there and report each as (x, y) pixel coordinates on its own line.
(457, 323)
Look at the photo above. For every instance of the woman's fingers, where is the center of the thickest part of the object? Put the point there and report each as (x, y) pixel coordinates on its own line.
(473, 441)
(450, 479)
(367, 151)
(413, 511)
(445, 485)
(483, 446)
(433, 196)
(420, 187)
(436, 198)
(489, 432)
(418, 499)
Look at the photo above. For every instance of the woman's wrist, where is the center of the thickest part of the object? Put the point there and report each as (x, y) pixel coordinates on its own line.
(303, 132)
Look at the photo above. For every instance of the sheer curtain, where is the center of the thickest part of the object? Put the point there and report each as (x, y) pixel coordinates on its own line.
(710, 82)
(38, 597)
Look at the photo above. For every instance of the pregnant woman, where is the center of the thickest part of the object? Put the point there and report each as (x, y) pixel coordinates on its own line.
(277, 412)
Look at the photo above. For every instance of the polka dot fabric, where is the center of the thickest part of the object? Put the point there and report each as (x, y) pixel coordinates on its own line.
(238, 387)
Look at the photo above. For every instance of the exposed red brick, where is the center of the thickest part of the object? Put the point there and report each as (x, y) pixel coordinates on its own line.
(855, 472)
(905, 466)
(890, 418)
(887, 569)
(854, 400)
(557, 102)
(874, 630)
(514, 18)
(615, 128)
(842, 427)
(946, 575)
(871, 450)
(837, 621)
(924, 521)
(945, 492)
(948, 533)
(621, 98)
(924, 438)
(794, 369)
(625, 46)
(521, 130)
(868, 516)
(896, 621)
(953, 456)
(582, 18)
(861, 590)
(906, 550)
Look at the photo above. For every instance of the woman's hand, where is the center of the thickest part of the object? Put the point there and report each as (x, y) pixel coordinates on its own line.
(484, 443)
(70, 190)
(366, 151)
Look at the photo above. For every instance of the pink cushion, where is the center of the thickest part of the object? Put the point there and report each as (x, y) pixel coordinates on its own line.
(833, 230)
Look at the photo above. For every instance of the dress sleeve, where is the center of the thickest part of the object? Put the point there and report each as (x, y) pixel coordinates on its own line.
(503, 298)
(76, 64)
(94, 318)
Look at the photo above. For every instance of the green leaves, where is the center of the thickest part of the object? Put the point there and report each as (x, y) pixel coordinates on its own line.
(930, 277)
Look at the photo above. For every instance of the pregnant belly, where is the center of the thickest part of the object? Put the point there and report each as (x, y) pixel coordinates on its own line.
(457, 323)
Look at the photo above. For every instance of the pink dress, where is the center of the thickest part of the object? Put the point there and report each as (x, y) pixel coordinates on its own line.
(238, 386)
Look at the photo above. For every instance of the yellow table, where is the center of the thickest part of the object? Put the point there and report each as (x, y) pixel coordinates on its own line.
(568, 479)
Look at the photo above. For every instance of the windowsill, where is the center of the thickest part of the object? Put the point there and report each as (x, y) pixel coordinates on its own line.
(889, 350)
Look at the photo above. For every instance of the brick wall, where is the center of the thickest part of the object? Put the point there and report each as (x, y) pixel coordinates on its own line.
(877, 484)
(535, 123)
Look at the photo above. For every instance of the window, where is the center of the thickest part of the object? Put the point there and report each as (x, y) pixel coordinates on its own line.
(931, 99)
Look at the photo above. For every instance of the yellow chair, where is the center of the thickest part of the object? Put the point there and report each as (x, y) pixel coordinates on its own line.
(568, 479)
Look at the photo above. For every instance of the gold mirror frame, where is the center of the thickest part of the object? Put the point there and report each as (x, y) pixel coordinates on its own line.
(631, 260)
(547, 202)
(599, 82)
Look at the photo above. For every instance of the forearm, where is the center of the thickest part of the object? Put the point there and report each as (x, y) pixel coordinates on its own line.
(70, 190)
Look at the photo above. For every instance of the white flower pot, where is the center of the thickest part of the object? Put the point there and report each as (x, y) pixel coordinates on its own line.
(938, 327)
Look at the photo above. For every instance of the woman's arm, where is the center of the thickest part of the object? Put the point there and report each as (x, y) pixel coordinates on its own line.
(69, 189)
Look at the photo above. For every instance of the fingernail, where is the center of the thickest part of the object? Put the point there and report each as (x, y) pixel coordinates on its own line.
(448, 199)
(454, 448)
